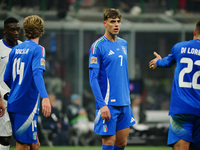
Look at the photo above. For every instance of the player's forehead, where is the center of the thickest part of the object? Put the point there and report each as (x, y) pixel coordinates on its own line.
(12, 25)
(114, 19)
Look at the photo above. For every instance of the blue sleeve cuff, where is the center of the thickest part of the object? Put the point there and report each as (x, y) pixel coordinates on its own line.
(158, 62)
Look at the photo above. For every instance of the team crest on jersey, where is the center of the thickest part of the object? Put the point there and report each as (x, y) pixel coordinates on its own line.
(42, 62)
(35, 135)
(105, 128)
(93, 60)
(124, 50)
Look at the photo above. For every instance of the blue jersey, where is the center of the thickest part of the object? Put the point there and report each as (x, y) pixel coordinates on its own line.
(185, 93)
(24, 97)
(111, 60)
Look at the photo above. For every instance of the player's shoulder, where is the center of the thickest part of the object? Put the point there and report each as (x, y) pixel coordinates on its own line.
(98, 44)
(121, 40)
(183, 43)
(42, 50)
(38, 50)
(41, 47)
(1, 42)
(99, 41)
(29, 43)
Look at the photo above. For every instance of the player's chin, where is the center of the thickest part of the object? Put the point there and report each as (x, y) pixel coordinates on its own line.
(15, 38)
(115, 32)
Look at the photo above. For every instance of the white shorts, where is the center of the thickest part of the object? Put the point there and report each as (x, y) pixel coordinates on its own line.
(5, 125)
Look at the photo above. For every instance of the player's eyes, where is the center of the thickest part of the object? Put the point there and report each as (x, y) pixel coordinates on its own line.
(13, 30)
(115, 21)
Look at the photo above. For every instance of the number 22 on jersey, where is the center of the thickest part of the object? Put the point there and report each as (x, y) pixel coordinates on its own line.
(188, 69)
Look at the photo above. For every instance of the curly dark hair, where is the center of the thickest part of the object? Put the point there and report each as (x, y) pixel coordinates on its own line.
(33, 27)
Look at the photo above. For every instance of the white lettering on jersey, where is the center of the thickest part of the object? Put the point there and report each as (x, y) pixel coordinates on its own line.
(21, 51)
(189, 50)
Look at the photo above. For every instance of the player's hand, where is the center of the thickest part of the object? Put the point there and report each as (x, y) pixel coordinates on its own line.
(152, 63)
(46, 107)
(2, 107)
(105, 113)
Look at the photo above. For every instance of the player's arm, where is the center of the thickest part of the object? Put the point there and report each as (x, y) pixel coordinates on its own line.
(8, 72)
(39, 82)
(93, 75)
(2, 107)
(167, 61)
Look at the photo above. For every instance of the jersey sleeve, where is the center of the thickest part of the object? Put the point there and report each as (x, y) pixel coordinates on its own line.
(127, 47)
(39, 82)
(8, 71)
(38, 61)
(94, 57)
(93, 75)
(167, 61)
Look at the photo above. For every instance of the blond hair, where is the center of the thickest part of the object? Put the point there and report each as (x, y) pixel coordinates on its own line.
(33, 27)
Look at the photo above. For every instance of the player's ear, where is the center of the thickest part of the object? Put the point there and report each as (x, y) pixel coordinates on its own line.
(104, 23)
(195, 32)
(4, 31)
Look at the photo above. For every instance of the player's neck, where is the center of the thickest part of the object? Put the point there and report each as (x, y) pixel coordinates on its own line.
(110, 37)
(35, 40)
(198, 37)
(10, 43)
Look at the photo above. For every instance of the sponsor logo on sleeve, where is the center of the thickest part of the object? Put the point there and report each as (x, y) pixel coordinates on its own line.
(42, 62)
(93, 60)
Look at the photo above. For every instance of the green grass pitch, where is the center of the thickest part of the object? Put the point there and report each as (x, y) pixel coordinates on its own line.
(99, 148)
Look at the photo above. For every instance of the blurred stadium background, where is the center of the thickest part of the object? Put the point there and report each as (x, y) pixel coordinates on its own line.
(99, 148)
(71, 26)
